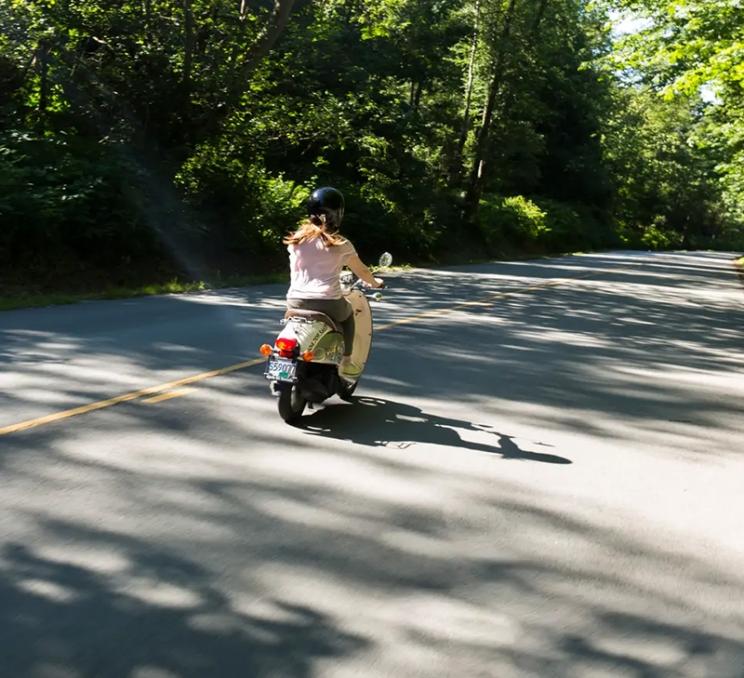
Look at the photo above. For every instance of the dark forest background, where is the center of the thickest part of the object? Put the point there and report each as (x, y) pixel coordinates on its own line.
(150, 139)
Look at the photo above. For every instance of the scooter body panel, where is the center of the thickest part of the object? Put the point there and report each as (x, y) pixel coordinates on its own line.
(326, 345)
(362, 327)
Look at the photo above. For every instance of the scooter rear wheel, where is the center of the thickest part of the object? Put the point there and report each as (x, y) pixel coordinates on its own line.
(291, 404)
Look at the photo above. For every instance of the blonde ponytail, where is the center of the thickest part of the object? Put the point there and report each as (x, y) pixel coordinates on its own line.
(316, 226)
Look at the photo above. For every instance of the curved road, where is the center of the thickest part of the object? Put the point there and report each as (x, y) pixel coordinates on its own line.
(543, 475)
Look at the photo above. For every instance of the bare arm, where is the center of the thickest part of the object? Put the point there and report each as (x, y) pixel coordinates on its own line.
(360, 270)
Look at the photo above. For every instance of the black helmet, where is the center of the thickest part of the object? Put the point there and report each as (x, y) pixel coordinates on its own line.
(328, 201)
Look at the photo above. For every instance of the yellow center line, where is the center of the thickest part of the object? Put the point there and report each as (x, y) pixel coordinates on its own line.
(168, 395)
(125, 397)
(158, 391)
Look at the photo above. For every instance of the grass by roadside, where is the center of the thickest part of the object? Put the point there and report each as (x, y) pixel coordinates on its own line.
(175, 286)
(21, 299)
(18, 299)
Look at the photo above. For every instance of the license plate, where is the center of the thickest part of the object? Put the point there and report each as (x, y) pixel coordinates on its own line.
(280, 369)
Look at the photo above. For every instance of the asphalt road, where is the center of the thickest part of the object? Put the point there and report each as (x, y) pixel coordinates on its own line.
(545, 480)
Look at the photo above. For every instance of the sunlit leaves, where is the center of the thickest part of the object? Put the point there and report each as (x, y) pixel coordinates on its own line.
(152, 98)
(694, 50)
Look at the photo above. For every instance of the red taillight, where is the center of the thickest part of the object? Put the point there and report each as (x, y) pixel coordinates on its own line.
(286, 347)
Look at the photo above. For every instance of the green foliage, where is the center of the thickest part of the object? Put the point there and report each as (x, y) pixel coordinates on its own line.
(67, 199)
(251, 209)
(173, 135)
(538, 225)
(658, 238)
(514, 220)
(574, 226)
(664, 172)
(691, 55)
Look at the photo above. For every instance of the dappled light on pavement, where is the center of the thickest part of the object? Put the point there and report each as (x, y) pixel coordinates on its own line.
(548, 484)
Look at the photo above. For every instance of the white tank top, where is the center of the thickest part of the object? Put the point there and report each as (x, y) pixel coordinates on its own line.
(315, 268)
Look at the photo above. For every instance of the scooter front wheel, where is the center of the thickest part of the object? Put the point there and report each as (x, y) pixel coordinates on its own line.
(346, 391)
(291, 404)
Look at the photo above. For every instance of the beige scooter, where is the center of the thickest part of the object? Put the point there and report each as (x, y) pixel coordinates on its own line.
(302, 365)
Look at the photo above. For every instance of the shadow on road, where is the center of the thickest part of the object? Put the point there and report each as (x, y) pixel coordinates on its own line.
(55, 611)
(194, 540)
(386, 423)
(622, 352)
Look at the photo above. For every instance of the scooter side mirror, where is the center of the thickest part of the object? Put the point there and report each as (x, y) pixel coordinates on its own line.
(386, 259)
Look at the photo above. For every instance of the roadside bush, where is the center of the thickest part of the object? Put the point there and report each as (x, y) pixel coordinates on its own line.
(731, 238)
(540, 225)
(509, 223)
(565, 229)
(656, 237)
(249, 209)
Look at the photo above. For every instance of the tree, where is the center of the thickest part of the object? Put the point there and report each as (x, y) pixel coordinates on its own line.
(692, 52)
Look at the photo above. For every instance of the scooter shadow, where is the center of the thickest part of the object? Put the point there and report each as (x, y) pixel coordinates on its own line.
(386, 423)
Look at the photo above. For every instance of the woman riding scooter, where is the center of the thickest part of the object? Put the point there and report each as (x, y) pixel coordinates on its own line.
(317, 253)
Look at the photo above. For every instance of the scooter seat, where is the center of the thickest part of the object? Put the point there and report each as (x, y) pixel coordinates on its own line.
(311, 316)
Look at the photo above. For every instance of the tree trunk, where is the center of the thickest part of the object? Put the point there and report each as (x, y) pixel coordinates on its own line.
(42, 56)
(239, 35)
(539, 16)
(469, 82)
(351, 8)
(277, 24)
(477, 174)
(416, 100)
(188, 43)
(147, 6)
